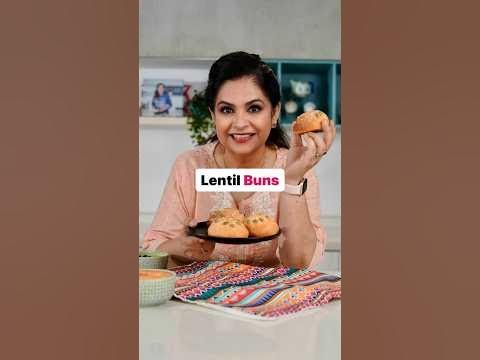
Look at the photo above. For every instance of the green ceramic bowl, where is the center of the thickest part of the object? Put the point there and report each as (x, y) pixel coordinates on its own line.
(152, 260)
(155, 291)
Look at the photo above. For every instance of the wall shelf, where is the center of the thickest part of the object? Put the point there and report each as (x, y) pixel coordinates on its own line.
(163, 121)
(323, 75)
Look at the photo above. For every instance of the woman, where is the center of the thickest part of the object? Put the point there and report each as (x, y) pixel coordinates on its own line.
(243, 96)
(161, 102)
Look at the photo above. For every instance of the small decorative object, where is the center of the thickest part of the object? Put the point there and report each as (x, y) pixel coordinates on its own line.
(301, 88)
(291, 107)
(309, 106)
(152, 260)
(156, 286)
(162, 97)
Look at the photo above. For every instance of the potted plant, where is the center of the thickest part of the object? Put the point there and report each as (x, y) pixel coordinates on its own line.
(199, 122)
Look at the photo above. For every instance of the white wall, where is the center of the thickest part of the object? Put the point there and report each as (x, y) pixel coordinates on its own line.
(273, 29)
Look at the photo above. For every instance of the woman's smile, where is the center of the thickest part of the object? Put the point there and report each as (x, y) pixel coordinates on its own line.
(242, 138)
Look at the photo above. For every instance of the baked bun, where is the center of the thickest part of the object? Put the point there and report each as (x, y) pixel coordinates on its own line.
(260, 225)
(310, 121)
(225, 213)
(228, 227)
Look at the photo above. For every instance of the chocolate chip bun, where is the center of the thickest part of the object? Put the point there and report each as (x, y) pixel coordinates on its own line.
(260, 225)
(225, 213)
(228, 227)
(310, 121)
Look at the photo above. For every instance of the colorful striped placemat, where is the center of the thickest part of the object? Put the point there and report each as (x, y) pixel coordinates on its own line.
(253, 291)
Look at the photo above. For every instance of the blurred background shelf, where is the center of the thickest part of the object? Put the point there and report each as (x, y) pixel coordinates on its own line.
(323, 76)
(163, 121)
(319, 75)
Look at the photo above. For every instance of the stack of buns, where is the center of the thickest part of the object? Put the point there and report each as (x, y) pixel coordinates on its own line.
(233, 224)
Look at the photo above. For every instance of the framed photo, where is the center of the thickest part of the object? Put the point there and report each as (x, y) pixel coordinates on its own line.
(161, 97)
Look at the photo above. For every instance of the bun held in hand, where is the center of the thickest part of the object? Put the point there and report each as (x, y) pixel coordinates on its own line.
(310, 121)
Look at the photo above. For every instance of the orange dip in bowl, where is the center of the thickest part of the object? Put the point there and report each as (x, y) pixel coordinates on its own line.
(153, 275)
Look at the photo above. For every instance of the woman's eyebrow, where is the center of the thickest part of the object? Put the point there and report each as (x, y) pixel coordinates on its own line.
(223, 102)
(254, 100)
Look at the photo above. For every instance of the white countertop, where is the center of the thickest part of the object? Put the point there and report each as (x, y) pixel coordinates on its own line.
(177, 330)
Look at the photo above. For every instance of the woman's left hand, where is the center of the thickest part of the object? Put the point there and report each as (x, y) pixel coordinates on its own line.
(301, 158)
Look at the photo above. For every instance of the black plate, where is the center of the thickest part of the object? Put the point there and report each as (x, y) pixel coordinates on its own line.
(201, 231)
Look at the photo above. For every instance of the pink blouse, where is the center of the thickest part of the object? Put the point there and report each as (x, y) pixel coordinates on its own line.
(181, 206)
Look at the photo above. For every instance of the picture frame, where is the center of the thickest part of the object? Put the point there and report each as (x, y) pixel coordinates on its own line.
(161, 97)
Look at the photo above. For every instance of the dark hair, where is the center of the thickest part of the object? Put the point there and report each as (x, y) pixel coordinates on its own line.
(156, 89)
(236, 65)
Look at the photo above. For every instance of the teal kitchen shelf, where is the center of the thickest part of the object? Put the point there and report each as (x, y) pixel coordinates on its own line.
(323, 78)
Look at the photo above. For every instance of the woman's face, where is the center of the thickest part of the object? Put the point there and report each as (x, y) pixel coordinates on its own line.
(243, 116)
(160, 89)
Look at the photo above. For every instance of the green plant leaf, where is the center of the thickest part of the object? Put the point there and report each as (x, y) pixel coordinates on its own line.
(199, 122)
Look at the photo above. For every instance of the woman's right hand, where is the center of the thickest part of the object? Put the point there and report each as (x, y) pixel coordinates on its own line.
(189, 248)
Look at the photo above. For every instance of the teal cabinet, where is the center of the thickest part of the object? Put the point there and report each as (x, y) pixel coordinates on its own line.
(338, 93)
(307, 83)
